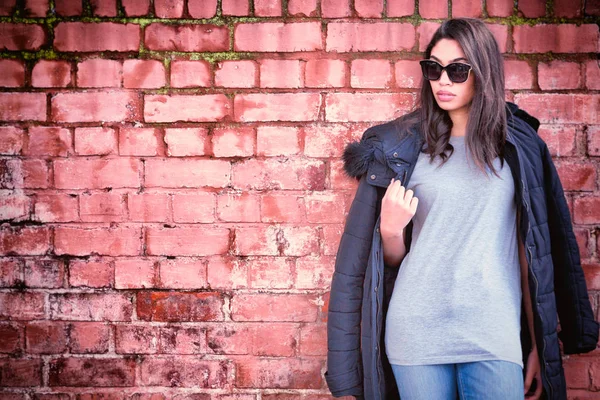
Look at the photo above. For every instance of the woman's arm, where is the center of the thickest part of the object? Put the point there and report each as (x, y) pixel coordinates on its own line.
(394, 248)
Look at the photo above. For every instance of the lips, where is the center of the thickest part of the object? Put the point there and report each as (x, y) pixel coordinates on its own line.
(445, 96)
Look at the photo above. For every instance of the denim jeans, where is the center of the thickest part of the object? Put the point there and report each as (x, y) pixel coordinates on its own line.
(480, 380)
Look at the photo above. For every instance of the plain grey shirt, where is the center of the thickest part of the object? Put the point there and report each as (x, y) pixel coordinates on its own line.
(457, 297)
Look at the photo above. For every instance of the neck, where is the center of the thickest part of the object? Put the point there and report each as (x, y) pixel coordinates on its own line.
(459, 121)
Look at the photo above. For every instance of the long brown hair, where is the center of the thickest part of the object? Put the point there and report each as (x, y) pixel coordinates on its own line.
(486, 126)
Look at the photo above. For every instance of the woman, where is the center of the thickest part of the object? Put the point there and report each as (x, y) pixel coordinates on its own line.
(448, 265)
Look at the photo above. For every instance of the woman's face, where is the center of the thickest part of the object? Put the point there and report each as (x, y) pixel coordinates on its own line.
(459, 95)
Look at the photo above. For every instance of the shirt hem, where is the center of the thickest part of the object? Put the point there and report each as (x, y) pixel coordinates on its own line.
(452, 359)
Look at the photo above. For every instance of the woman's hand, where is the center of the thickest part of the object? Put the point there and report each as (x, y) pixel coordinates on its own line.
(533, 371)
(397, 209)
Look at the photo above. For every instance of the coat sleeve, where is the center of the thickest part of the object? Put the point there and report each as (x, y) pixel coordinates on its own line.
(579, 330)
(344, 374)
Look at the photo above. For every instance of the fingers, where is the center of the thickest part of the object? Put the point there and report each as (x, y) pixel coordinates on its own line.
(528, 379)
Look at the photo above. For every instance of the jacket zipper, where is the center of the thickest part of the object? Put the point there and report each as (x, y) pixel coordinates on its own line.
(530, 269)
(378, 345)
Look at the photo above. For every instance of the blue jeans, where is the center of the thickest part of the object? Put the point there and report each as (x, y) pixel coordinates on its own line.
(480, 380)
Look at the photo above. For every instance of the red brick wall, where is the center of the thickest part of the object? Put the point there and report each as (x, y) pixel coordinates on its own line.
(172, 192)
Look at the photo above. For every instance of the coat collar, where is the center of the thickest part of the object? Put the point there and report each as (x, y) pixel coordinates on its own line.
(382, 145)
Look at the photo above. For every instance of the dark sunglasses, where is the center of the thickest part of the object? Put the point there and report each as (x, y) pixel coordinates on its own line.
(457, 72)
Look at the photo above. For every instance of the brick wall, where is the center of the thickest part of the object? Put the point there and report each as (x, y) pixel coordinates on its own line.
(171, 184)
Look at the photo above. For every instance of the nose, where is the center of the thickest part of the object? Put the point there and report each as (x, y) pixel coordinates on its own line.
(444, 79)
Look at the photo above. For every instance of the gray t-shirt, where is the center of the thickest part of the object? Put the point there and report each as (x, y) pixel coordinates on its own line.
(457, 297)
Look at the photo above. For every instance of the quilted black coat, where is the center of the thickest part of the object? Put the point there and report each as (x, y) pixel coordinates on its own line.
(362, 284)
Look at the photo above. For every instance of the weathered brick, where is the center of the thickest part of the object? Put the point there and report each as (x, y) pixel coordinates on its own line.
(136, 8)
(49, 141)
(270, 272)
(114, 173)
(44, 273)
(202, 8)
(176, 172)
(531, 8)
(21, 372)
(22, 306)
(104, 8)
(22, 106)
(238, 207)
(91, 273)
(100, 36)
(190, 372)
(95, 141)
(183, 241)
(369, 8)
(400, 8)
(499, 8)
(56, 207)
(466, 8)
(235, 7)
(91, 307)
(24, 240)
(102, 106)
(271, 75)
(92, 372)
(562, 108)
(13, 73)
(227, 273)
(135, 274)
(558, 74)
(344, 107)
(140, 142)
(277, 107)
(592, 75)
(335, 8)
(408, 74)
(564, 38)
(277, 207)
(207, 37)
(148, 207)
(179, 306)
(136, 339)
(586, 210)
(96, 72)
(325, 73)
(118, 241)
(168, 8)
(186, 74)
(68, 8)
(517, 75)
(274, 307)
(196, 207)
(292, 373)
(143, 74)
(46, 337)
(18, 37)
(370, 74)
(278, 37)
(277, 141)
(267, 8)
(14, 205)
(433, 9)
(307, 8)
(187, 108)
(183, 273)
(233, 142)
(238, 74)
(287, 174)
(378, 36)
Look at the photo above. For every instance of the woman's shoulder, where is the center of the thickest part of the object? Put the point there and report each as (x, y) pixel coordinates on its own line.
(358, 155)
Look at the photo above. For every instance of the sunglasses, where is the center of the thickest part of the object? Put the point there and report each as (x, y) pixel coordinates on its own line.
(457, 72)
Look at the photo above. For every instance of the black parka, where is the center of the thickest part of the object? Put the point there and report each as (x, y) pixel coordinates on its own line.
(362, 284)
